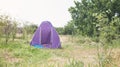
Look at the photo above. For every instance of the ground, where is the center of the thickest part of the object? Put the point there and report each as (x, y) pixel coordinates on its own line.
(74, 53)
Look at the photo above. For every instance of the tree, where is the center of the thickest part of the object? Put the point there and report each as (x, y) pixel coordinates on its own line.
(2, 24)
(69, 28)
(91, 15)
(28, 29)
(60, 30)
(14, 29)
(82, 15)
(5, 24)
(8, 27)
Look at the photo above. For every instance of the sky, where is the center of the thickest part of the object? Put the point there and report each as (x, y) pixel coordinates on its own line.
(36, 11)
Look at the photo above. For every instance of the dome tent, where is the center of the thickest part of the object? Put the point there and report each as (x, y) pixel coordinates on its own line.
(46, 36)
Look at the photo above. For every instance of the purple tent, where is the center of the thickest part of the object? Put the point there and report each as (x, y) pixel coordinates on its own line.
(46, 36)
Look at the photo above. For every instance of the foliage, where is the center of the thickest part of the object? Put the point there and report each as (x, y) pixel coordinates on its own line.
(7, 26)
(99, 19)
(69, 28)
(28, 29)
(14, 29)
(60, 30)
(91, 15)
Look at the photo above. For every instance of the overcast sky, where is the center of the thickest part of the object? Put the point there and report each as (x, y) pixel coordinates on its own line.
(37, 11)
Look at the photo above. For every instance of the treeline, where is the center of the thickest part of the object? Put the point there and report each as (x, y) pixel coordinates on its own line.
(95, 18)
(67, 30)
(10, 28)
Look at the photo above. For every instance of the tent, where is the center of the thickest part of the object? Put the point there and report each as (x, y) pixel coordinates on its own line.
(46, 36)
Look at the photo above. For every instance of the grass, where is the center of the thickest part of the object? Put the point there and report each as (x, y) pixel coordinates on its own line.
(74, 63)
(18, 53)
(76, 52)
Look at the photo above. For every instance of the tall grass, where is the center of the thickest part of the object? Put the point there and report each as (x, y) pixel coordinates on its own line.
(105, 57)
(20, 54)
(74, 63)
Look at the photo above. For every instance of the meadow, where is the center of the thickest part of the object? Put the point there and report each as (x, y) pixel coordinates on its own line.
(76, 51)
(91, 38)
